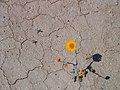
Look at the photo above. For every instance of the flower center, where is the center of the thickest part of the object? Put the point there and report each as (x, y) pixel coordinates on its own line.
(71, 45)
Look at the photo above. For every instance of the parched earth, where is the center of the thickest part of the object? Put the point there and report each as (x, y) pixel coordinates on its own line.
(34, 32)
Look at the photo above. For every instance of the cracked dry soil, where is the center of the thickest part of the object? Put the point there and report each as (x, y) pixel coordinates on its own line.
(34, 32)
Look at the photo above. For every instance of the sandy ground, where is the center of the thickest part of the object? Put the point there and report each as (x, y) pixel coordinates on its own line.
(33, 34)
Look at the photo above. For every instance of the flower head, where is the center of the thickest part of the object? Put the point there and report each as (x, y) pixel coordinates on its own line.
(58, 59)
(82, 73)
(65, 65)
(71, 45)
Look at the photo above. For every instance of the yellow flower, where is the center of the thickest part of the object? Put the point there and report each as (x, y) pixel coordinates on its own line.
(65, 65)
(71, 45)
(82, 73)
(58, 59)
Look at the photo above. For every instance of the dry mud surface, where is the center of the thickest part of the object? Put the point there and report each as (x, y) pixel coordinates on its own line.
(33, 33)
